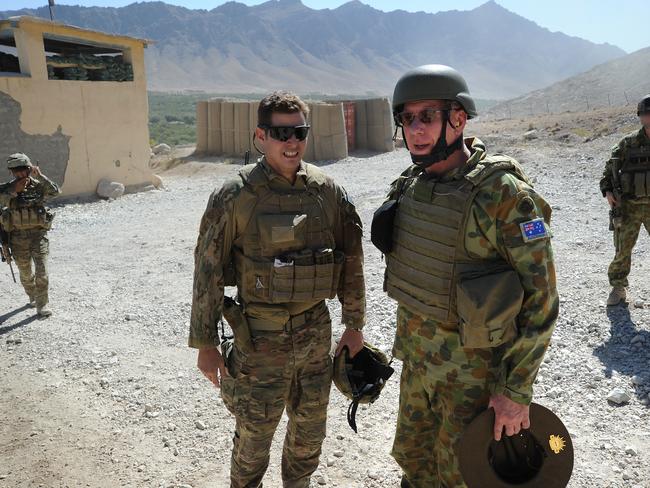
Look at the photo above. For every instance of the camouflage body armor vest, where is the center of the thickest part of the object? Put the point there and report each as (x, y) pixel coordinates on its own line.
(26, 212)
(429, 259)
(285, 253)
(635, 172)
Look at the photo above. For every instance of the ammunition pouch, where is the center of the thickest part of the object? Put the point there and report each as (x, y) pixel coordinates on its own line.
(488, 307)
(303, 276)
(635, 173)
(27, 218)
(381, 230)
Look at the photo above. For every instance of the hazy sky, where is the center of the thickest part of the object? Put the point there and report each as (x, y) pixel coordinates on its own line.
(623, 23)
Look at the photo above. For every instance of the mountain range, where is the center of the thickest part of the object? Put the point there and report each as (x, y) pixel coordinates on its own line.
(354, 49)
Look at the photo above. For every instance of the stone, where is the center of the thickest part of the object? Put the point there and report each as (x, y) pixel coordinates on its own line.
(109, 189)
(330, 462)
(338, 453)
(200, 425)
(530, 135)
(161, 149)
(637, 339)
(630, 451)
(639, 303)
(103, 382)
(320, 479)
(157, 182)
(618, 396)
(638, 380)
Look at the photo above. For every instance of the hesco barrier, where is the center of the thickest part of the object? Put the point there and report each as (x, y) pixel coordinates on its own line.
(226, 127)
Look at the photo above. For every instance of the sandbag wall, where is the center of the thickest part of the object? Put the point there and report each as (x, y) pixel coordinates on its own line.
(374, 125)
(225, 128)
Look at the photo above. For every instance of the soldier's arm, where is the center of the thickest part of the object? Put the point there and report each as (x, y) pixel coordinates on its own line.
(211, 254)
(512, 205)
(50, 189)
(352, 289)
(606, 183)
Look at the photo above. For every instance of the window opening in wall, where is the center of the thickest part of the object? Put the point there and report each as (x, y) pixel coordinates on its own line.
(69, 59)
(8, 53)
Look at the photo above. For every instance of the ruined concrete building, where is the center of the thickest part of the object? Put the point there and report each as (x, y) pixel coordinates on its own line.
(75, 101)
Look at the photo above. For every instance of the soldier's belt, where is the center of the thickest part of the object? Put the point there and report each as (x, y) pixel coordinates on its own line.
(294, 323)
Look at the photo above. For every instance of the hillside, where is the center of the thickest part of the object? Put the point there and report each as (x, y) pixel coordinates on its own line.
(354, 48)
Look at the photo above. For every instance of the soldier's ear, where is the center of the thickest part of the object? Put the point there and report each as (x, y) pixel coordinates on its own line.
(260, 134)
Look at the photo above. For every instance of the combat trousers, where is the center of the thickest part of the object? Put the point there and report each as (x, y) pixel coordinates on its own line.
(289, 369)
(29, 246)
(440, 394)
(625, 237)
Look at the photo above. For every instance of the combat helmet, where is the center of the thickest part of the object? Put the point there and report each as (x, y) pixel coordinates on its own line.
(433, 82)
(361, 378)
(644, 106)
(18, 160)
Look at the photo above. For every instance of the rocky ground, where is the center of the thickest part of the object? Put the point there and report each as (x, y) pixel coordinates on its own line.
(106, 393)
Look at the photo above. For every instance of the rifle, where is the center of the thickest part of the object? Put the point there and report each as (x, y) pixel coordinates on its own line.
(5, 251)
(615, 215)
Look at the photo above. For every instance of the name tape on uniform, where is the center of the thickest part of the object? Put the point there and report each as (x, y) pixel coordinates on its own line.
(533, 230)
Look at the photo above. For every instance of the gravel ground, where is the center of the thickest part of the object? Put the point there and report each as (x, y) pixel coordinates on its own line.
(106, 393)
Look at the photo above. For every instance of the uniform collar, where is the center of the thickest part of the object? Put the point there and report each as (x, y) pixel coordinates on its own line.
(276, 179)
(478, 152)
(642, 136)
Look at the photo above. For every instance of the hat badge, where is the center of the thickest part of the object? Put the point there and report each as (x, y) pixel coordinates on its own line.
(556, 443)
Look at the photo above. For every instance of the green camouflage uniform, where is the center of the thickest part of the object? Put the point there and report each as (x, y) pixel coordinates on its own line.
(257, 229)
(635, 210)
(444, 385)
(27, 222)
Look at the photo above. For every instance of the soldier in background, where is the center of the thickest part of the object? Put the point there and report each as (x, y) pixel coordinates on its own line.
(626, 186)
(288, 237)
(26, 221)
(470, 263)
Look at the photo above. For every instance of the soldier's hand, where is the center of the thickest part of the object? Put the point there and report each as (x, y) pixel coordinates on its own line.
(211, 363)
(20, 184)
(353, 339)
(511, 415)
(611, 199)
(35, 171)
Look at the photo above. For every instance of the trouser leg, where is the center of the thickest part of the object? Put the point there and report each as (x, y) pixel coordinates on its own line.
(625, 238)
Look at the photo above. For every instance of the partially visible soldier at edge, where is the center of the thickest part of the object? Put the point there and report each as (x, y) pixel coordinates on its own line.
(471, 266)
(26, 220)
(626, 186)
(288, 237)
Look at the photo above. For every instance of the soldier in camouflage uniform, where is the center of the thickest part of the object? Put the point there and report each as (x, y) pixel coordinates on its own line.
(288, 237)
(471, 268)
(26, 220)
(626, 185)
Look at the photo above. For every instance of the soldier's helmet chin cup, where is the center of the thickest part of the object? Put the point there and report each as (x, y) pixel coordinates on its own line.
(434, 82)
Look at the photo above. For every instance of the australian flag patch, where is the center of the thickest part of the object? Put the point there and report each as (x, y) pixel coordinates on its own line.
(533, 230)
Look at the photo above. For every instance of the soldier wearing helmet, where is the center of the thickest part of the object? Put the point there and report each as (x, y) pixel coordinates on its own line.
(626, 186)
(26, 221)
(470, 264)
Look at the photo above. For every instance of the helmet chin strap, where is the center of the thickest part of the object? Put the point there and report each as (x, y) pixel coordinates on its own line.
(440, 151)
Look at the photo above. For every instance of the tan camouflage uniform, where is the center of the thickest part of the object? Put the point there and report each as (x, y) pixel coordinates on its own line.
(29, 243)
(444, 385)
(635, 211)
(290, 366)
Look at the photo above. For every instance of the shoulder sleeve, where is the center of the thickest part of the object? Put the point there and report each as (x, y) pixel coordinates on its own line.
(211, 256)
(517, 220)
(606, 181)
(6, 193)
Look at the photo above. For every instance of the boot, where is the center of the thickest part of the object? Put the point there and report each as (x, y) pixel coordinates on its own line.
(44, 311)
(616, 296)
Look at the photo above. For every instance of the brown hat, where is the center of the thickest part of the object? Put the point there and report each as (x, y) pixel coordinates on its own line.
(539, 457)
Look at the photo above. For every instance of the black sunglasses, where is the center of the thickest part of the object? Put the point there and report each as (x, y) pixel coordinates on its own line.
(426, 116)
(284, 133)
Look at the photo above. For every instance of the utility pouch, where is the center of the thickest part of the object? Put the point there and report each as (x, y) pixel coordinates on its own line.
(232, 312)
(381, 230)
(488, 307)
